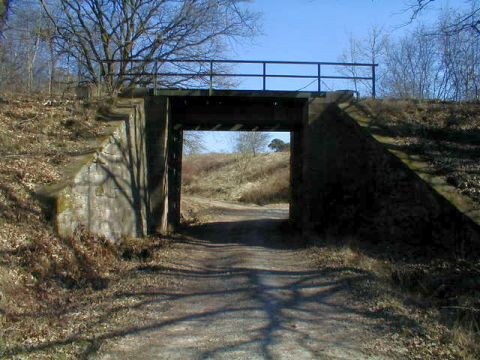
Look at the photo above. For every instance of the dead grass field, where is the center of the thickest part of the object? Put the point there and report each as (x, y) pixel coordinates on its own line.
(61, 292)
(261, 179)
(41, 275)
(446, 135)
(433, 304)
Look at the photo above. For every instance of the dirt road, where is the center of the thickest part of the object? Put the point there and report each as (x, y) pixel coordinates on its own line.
(243, 290)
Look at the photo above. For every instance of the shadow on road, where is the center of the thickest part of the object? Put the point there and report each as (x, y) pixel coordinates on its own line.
(239, 288)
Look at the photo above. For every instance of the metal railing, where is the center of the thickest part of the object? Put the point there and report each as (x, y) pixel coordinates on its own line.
(151, 69)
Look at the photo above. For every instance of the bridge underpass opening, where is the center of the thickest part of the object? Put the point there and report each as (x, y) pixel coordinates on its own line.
(343, 180)
(258, 112)
(236, 168)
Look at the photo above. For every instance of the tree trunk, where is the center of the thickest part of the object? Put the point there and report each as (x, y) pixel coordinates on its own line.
(52, 67)
(31, 62)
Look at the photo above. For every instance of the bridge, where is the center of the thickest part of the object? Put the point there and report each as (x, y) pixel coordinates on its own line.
(221, 74)
(130, 186)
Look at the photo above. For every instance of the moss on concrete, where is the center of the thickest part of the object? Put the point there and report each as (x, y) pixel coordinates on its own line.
(65, 202)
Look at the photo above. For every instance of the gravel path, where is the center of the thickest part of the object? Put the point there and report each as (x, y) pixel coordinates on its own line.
(245, 292)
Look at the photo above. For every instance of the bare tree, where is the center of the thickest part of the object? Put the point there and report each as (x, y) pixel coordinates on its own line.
(22, 49)
(441, 62)
(464, 21)
(4, 7)
(413, 67)
(351, 54)
(418, 6)
(193, 142)
(251, 142)
(460, 56)
(106, 37)
(371, 49)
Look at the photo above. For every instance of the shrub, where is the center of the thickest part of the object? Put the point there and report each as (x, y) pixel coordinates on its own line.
(275, 189)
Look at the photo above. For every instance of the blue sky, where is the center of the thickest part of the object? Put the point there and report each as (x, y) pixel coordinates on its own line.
(315, 30)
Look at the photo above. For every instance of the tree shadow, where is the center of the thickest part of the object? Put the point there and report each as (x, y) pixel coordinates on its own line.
(458, 143)
(376, 195)
(266, 306)
(213, 233)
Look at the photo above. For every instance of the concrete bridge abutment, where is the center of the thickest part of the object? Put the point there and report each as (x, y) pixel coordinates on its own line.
(343, 181)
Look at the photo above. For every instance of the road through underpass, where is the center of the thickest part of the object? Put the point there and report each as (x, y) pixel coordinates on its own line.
(244, 290)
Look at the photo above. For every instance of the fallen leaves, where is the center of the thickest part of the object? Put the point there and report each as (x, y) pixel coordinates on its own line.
(34, 148)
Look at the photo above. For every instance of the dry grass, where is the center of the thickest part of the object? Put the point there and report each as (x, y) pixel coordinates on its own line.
(273, 188)
(429, 301)
(62, 291)
(446, 292)
(69, 321)
(196, 165)
(435, 301)
(37, 138)
(447, 135)
(41, 275)
(451, 288)
(262, 179)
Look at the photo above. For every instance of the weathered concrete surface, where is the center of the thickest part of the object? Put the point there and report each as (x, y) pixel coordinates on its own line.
(106, 192)
(363, 116)
(356, 187)
(164, 158)
(259, 113)
(158, 128)
(130, 186)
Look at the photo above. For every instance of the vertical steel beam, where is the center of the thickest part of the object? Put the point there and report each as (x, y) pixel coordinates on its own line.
(319, 73)
(264, 76)
(211, 76)
(374, 90)
(155, 71)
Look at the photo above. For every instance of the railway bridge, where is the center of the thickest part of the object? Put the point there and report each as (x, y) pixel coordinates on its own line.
(342, 179)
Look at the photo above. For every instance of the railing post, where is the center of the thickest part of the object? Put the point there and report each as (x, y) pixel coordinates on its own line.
(155, 71)
(374, 90)
(211, 76)
(319, 72)
(264, 76)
